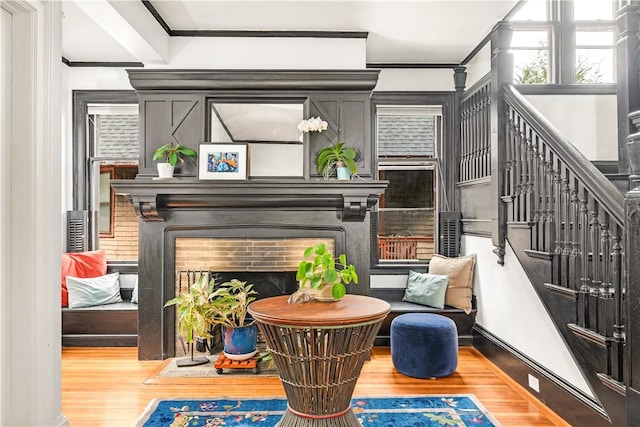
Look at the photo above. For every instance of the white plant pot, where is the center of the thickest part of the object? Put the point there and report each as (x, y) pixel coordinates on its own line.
(343, 173)
(165, 170)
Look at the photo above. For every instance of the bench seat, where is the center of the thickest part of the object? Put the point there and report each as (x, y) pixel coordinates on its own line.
(464, 322)
(109, 325)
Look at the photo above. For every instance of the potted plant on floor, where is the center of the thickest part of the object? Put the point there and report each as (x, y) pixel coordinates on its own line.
(337, 157)
(229, 303)
(172, 152)
(323, 275)
(194, 313)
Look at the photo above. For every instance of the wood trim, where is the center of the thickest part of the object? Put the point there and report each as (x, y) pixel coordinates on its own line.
(101, 64)
(568, 89)
(280, 80)
(272, 34)
(566, 400)
(417, 65)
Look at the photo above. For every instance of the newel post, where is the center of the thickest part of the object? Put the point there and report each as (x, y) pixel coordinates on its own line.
(501, 74)
(628, 83)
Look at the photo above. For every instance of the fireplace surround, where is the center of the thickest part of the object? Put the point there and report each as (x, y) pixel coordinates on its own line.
(171, 211)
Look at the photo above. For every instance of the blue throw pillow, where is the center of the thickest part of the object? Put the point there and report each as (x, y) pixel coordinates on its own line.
(426, 289)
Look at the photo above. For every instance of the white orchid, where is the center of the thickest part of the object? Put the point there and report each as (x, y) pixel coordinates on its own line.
(314, 124)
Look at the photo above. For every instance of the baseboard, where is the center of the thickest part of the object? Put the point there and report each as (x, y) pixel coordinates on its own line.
(90, 340)
(563, 398)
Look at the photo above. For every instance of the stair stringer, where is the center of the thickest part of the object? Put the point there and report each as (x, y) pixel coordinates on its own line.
(591, 357)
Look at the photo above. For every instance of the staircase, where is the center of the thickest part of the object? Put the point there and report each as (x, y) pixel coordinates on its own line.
(565, 222)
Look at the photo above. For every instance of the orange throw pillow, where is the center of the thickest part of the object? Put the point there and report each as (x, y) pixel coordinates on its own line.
(85, 265)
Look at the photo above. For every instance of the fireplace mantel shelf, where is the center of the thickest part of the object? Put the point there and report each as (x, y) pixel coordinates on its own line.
(150, 198)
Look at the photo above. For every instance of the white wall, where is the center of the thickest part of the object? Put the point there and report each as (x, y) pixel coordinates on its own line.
(589, 122)
(479, 66)
(422, 79)
(261, 53)
(510, 309)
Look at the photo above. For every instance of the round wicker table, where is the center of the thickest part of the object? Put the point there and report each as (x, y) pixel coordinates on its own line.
(319, 349)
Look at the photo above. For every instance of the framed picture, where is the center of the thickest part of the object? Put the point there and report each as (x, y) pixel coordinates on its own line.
(222, 161)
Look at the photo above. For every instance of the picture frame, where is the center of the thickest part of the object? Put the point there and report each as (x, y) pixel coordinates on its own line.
(223, 161)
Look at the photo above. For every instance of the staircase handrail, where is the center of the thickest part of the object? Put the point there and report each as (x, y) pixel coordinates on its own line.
(601, 189)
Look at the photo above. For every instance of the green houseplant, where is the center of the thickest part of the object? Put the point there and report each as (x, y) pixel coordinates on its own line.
(194, 311)
(319, 270)
(337, 156)
(172, 152)
(229, 302)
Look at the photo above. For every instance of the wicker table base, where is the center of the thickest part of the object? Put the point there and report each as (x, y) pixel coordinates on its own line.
(319, 349)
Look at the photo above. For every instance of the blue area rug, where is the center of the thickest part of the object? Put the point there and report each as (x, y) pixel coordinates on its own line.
(403, 411)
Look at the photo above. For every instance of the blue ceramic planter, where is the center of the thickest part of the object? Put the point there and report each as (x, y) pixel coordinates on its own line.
(240, 343)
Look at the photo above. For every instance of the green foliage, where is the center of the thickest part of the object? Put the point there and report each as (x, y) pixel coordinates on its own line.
(174, 152)
(229, 303)
(324, 269)
(587, 71)
(328, 157)
(194, 310)
(536, 71)
(207, 304)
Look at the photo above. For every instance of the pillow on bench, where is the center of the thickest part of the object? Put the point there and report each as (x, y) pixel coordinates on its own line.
(90, 292)
(426, 289)
(460, 273)
(82, 265)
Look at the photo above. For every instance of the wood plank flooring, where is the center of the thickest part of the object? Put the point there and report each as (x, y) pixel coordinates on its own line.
(106, 387)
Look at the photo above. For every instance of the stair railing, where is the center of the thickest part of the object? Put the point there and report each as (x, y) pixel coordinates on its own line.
(576, 218)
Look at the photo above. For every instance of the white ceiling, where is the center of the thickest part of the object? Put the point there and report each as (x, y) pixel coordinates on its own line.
(425, 31)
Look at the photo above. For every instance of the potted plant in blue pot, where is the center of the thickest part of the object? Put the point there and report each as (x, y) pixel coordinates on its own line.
(229, 303)
(337, 157)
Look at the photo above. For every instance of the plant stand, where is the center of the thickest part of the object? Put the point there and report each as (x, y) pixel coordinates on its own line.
(223, 362)
(192, 361)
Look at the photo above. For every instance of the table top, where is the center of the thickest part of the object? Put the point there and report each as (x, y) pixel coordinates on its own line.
(350, 310)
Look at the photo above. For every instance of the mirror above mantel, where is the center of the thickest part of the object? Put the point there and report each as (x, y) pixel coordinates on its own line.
(270, 130)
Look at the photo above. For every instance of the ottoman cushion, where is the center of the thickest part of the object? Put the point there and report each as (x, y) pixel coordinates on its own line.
(424, 345)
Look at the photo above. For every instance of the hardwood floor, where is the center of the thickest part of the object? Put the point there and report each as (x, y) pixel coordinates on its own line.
(106, 387)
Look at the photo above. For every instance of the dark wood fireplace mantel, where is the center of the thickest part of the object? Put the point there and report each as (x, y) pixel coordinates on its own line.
(150, 198)
(258, 209)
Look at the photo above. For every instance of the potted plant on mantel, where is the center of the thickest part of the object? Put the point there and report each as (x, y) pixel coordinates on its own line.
(324, 276)
(337, 157)
(172, 152)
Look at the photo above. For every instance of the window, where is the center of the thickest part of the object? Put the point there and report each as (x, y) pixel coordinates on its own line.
(407, 142)
(112, 135)
(564, 42)
(105, 147)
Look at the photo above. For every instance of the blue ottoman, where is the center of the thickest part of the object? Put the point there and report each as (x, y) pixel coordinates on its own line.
(424, 345)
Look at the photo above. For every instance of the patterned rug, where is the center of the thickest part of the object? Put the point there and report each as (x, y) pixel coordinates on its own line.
(428, 410)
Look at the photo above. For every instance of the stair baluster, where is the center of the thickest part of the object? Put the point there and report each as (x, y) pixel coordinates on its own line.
(575, 240)
(585, 280)
(619, 335)
(606, 304)
(594, 287)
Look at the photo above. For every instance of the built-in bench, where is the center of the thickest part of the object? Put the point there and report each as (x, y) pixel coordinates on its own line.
(111, 325)
(464, 322)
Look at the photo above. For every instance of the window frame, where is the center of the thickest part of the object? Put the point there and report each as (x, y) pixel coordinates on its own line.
(563, 47)
(82, 163)
(445, 177)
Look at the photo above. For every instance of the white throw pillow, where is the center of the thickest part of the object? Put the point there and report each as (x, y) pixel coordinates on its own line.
(95, 291)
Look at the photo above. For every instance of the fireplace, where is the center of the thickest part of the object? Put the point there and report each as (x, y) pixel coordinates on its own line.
(188, 224)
